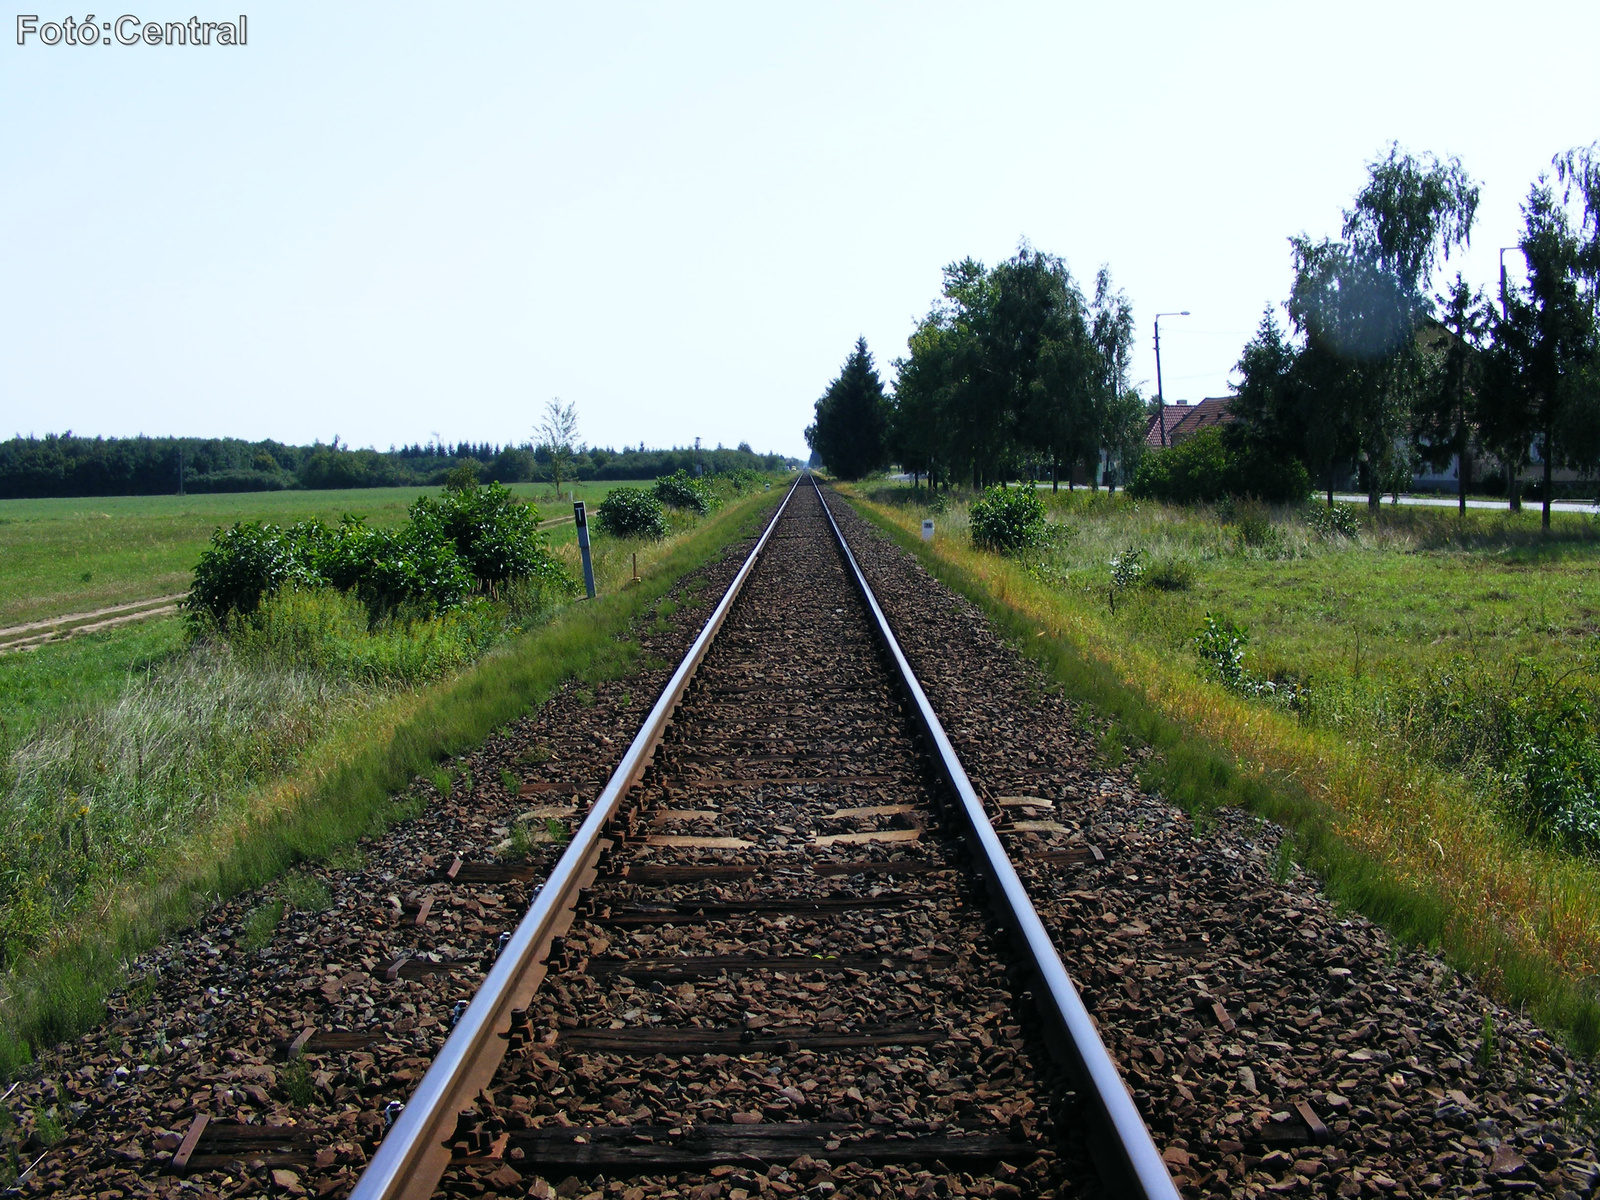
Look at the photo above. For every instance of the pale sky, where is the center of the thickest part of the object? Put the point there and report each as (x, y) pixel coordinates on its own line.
(388, 221)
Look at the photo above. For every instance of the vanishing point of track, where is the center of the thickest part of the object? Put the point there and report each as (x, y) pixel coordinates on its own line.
(785, 923)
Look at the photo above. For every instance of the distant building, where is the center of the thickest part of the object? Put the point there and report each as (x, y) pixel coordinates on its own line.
(1184, 420)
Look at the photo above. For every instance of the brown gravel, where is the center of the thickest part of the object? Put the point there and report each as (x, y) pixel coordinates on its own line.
(792, 734)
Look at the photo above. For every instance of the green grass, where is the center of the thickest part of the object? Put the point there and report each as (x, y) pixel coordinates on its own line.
(1414, 845)
(80, 554)
(37, 686)
(352, 783)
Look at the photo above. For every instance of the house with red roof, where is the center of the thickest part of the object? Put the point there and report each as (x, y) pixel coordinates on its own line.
(1183, 420)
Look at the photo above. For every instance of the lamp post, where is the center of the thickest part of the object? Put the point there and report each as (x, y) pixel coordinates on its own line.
(1161, 400)
(1513, 501)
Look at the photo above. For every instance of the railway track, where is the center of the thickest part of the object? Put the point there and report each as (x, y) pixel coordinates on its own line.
(785, 933)
(1274, 1041)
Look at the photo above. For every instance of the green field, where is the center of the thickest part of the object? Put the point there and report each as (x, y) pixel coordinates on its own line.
(1407, 597)
(77, 555)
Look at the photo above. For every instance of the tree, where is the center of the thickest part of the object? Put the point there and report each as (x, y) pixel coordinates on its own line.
(1547, 338)
(1119, 425)
(1040, 350)
(1446, 411)
(555, 433)
(1012, 367)
(851, 427)
(918, 434)
(1265, 403)
(1360, 302)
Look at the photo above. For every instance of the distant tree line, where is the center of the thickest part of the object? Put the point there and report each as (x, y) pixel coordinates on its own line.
(67, 465)
(1014, 372)
(1378, 374)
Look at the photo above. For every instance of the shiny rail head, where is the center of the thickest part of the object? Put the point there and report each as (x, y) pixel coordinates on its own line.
(1133, 1155)
(412, 1156)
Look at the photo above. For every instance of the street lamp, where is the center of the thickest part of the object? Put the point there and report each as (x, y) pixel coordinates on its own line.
(1161, 401)
(1503, 249)
(1513, 501)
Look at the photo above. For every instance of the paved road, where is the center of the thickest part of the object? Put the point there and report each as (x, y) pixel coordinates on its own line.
(1571, 506)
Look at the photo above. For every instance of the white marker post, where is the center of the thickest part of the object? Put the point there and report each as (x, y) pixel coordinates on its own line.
(582, 521)
(927, 529)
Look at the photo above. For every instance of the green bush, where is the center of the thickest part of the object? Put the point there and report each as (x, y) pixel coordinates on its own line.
(1171, 575)
(1333, 520)
(1532, 738)
(1128, 568)
(682, 490)
(250, 562)
(1205, 468)
(469, 541)
(632, 512)
(495, 534)
(1008, 520)
(1220, 645)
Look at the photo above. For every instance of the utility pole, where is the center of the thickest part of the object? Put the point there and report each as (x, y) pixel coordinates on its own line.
(1161, 400)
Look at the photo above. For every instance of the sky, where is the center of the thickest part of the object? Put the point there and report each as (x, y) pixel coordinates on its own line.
(393, 223)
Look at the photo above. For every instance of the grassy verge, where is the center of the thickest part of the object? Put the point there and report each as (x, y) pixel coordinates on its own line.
(351, 784)
(38, 685)
(1402, 841)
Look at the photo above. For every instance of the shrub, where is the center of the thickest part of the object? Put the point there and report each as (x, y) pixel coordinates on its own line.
(249, 562)
(473, 539)
(1127, 568)
(1171, 575)
(1336, 520)
(1220, 645)
(1205, 468)
(1008, 520)
(632, 512)
(682, 490)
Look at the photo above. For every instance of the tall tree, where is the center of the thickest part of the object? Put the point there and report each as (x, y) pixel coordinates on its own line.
(1446, 412)
(1548, 335)
(557, 433)
(1357, 323)
(918, 428)
(1266, 403)
(1360, 301)
(1038, 340)
(851, 427)
(1013, 366)
(1118, 424)
(1293, 402)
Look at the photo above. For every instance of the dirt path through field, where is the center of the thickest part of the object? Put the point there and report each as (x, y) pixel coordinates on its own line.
(32, 634)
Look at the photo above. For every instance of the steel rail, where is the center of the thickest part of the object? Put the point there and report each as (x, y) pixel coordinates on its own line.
(1127, 1157)
(415, 1153)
